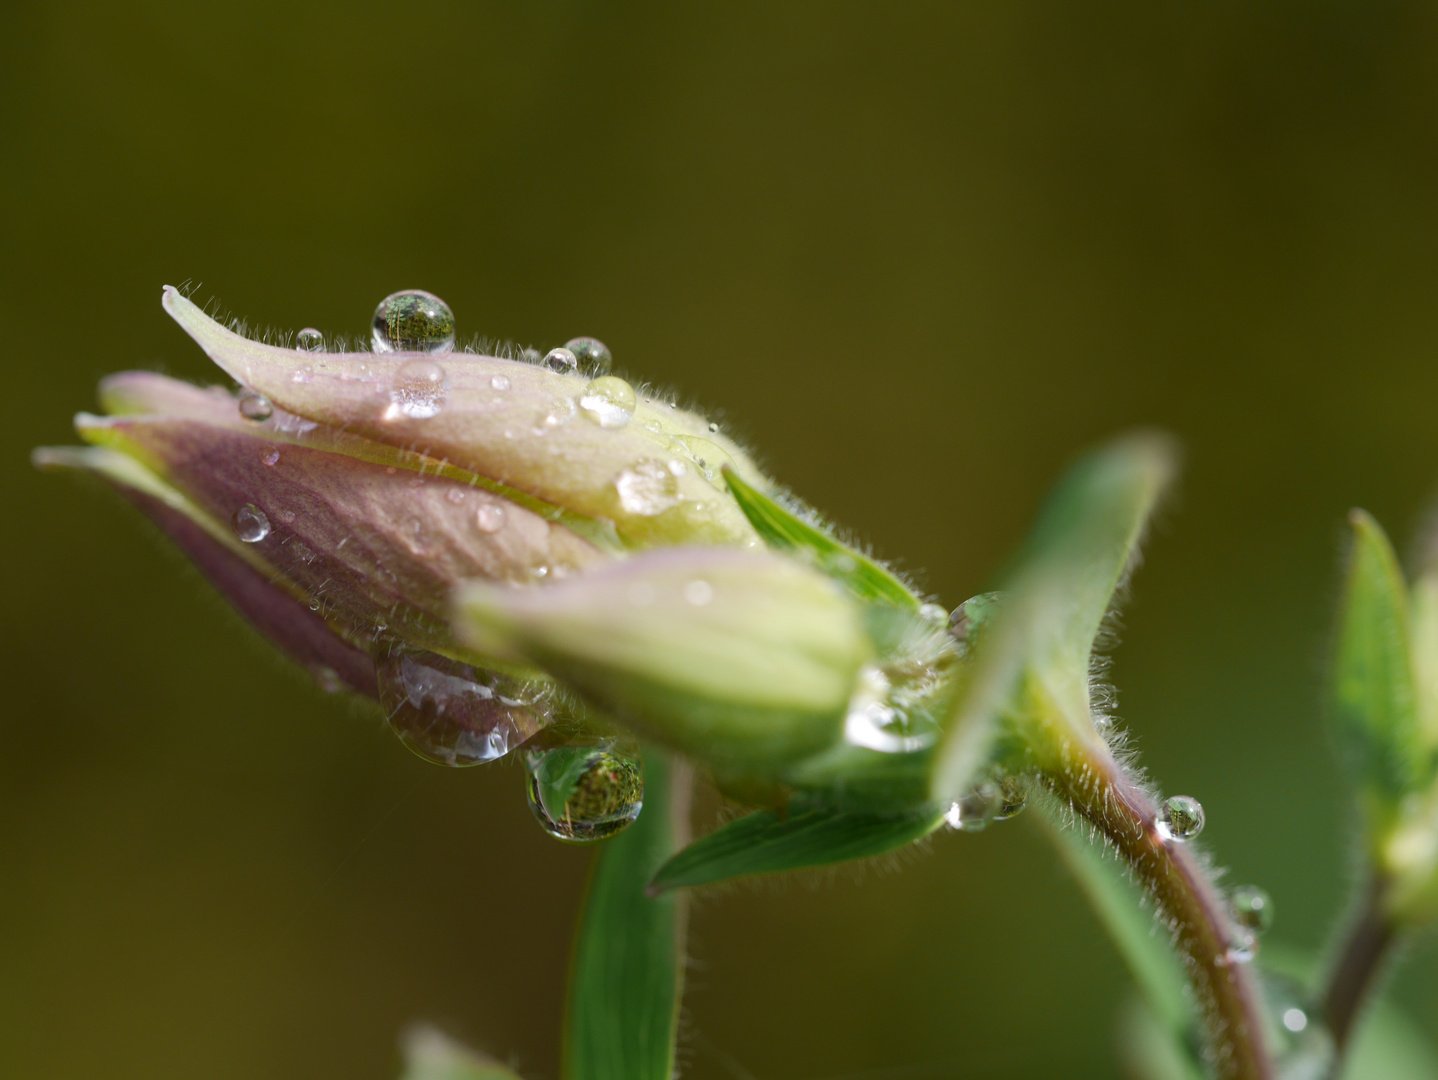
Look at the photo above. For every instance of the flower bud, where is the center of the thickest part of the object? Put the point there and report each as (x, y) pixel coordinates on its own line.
(746, 659)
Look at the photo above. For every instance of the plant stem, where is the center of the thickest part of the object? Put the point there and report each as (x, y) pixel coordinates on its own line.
(1187, 901)
(1366, 946)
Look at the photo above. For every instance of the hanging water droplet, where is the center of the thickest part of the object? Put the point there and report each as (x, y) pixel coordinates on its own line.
(1181, 818)
(310, 340)
(499, 382)
(250, 524)
(413, 321)
(255, 407)
(582, 792)
(1252, 908)
(489, 518)
(608, 401)
(647, 489)
(452, 714)
(418, 390)
(562, 361)
(974, 811)
(592, 355)
(1013, 797)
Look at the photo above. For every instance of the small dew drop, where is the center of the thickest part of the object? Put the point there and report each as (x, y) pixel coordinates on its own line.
(455, 495)
(499, 382)
(250, 524)
(713, 426)
(561, 360)
(255, 407)
(608, 401)
(271, 457)
(302, 375)
(419, 389)
(328, 679)
(1295, 1019)
(489, 518)
(698, 592)
(413, 321)
(310, 340)
(1181, 819)
(1252, 908)
(592, 355)
(647, 489)
(584, 792)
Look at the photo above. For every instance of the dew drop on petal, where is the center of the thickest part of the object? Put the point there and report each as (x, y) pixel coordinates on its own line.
(647, 489)
(1181, 818)
(250, 524)
(499, 382)
(608, 401)
(255, 407)
(713, 426)
(455, 495)
(310, 340)
(419, 389)
(413, 321)
(561, 360)
(593, 356)
(489, 518)
(271, 457)
(584, 791)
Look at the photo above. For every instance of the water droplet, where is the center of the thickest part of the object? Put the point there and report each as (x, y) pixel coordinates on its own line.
(974, 811)
(562, 361)
(647, 489)
(302, 375)
(419, 389)
(608, 401)
(713, 426)
(582, 792)
(1252, 908)
(561, 413)
(489, 518)
(255, 407)
(968, 617)
(592, 354)
(1181, 819)
(328, 679)
(873, 723)
(499, 382)
(413, 321)
(315, 604)
(452, 714)
(455, 495)
(1013, 797)
(1242, 946)
(271, 457)
(250, 524)
(1295, 1019)
(698, 592)
(310, 340)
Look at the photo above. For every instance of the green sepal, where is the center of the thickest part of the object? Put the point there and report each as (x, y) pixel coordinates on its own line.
(767, 842)
(784, 531)
(1372, 697)
(431, 1055)
(626, 975)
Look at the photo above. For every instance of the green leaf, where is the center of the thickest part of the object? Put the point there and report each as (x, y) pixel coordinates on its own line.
(1120, 906)
(765, 842)
(432, 1055)
(784, 531)
(1372, 695)
(1057, 591)
(626, 975)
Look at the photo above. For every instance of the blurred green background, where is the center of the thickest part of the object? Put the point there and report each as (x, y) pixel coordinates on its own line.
(919, 255)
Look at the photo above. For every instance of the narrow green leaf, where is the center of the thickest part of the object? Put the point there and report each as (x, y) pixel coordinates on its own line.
(784, 531)
(627, 972)
(766, 843)
(1120, 907)
(1372, 695)
(1057, 592)
(432, 1055)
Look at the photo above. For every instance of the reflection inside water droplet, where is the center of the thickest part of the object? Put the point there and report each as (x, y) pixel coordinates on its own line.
(584, 791)
(647, 489)
(499, 382)
(250, 524)
(310, 340)
(1252, 908)
(1181, 818)
(255, 407)
(418, 390)
(561, 360)
(413, 321)
(489, 517)
(609, 402)
(592, 355)
(453, 714)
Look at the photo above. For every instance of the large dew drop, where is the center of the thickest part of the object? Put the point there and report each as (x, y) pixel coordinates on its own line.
(608, 401)
(419, 389)
(250, 524)
(451, 714)
(413, 321)
(584, 791)
(562, 361)
(592, 355)
(1181, 818)
(255, 407)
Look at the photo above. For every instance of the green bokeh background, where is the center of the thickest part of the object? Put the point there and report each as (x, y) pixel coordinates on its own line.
(919, 255)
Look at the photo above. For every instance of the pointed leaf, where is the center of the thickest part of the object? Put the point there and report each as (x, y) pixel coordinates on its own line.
(1373, 704)
(783, 531)
(627, 973)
